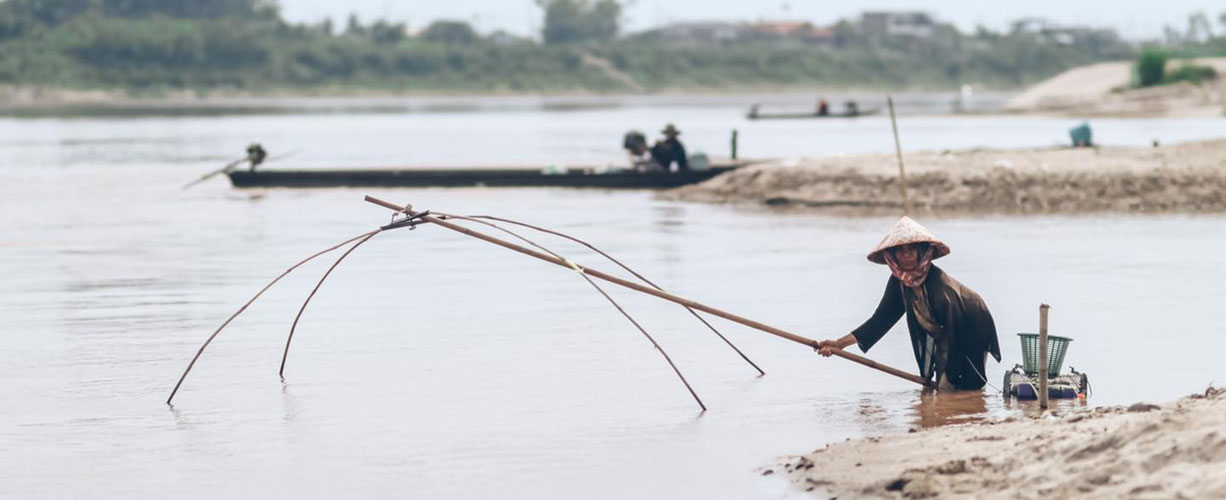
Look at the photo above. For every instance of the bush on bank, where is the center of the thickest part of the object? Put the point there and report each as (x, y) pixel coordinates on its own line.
(147, 45)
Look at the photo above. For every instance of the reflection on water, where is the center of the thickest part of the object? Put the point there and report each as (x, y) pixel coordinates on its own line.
(873, 414)
(940, 408)
(669, 219)
(289, 403)
(937, 408)
(1030, 407)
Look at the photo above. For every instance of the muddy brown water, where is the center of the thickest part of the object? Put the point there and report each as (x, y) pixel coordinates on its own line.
(435, 366)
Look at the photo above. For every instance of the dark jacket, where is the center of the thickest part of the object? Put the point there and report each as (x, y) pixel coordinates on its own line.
(669, 150)
(965, 329)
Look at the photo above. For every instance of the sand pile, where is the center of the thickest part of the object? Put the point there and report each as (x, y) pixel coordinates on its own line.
(1187, 177)
(1143, 451)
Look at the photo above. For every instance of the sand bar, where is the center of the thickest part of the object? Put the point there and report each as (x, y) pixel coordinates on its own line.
(1188, 177)
(1105, 89)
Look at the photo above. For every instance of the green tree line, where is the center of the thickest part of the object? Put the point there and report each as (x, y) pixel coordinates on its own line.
(144, 45)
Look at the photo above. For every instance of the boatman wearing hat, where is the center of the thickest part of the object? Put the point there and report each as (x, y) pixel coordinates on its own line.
(952, 331)
(667, 151)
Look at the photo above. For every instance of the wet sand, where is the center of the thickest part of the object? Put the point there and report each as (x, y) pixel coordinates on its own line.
(1185, 177)
(1140, 451)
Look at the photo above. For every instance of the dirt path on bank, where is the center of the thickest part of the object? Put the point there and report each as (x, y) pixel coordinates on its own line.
(1189, 177)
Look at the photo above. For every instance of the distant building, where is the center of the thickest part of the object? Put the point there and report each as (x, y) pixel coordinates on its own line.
(794, 33)
(502, 37)
(825, 37)
(1083, 35)
(1032, 25)
(699, 32)
(798, 32)
(916, 24)
(1064, 35)
(779, 28)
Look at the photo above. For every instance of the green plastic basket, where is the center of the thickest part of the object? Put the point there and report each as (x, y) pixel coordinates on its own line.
(1056, 348)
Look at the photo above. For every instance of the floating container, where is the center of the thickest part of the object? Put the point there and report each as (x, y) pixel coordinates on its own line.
(1057, 347)
(1022, 381)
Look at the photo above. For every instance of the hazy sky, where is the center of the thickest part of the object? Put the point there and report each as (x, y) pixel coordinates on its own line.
(1133, 19)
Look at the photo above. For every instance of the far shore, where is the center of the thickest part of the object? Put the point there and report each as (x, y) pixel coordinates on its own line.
(1142, 451)
(1179, 178)
(1094, 90)
(25, 97)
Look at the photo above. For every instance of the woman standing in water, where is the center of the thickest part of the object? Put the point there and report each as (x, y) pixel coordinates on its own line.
(952, 331)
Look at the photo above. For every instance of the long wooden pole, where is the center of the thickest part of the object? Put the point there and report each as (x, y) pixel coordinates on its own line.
(631, 271)
(778, 332)
(734, 144)
(1043, 355)
(598, 288)
(902, 174)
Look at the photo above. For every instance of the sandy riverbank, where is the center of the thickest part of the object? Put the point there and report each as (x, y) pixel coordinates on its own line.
(1142, 452)
(1103, 89)
(1189, 177)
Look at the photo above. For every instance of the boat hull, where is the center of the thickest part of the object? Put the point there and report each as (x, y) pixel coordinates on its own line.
(571, 178)
(809, 115)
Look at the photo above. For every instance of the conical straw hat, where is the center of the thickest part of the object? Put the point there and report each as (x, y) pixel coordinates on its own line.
(908, 231)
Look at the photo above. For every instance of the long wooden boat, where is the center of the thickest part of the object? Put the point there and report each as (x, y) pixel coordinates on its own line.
(753, 115)
(469, 177)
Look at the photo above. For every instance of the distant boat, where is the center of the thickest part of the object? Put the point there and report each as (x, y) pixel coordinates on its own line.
(754, 114)
(573, 177)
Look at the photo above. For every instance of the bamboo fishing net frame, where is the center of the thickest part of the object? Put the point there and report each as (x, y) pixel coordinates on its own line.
(412, 219)
(240, 310)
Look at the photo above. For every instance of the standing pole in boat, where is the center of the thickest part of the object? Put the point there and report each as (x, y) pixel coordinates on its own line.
(210, 175)
(902, 174)
(1043, 355)
(778, 332)
(733, 144)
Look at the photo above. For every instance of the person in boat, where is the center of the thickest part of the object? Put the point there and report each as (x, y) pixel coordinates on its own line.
(823, 107)
(851, 108)
(255, 155)
(635, 144)
(952, 331)
(669, 150)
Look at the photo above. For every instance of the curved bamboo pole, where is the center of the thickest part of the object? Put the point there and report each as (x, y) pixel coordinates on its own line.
(631, 271)
(598, 288)
(249, 302)
(757, 325)
(292, 328)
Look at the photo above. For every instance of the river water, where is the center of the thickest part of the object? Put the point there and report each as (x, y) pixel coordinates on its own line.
(432, 365)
